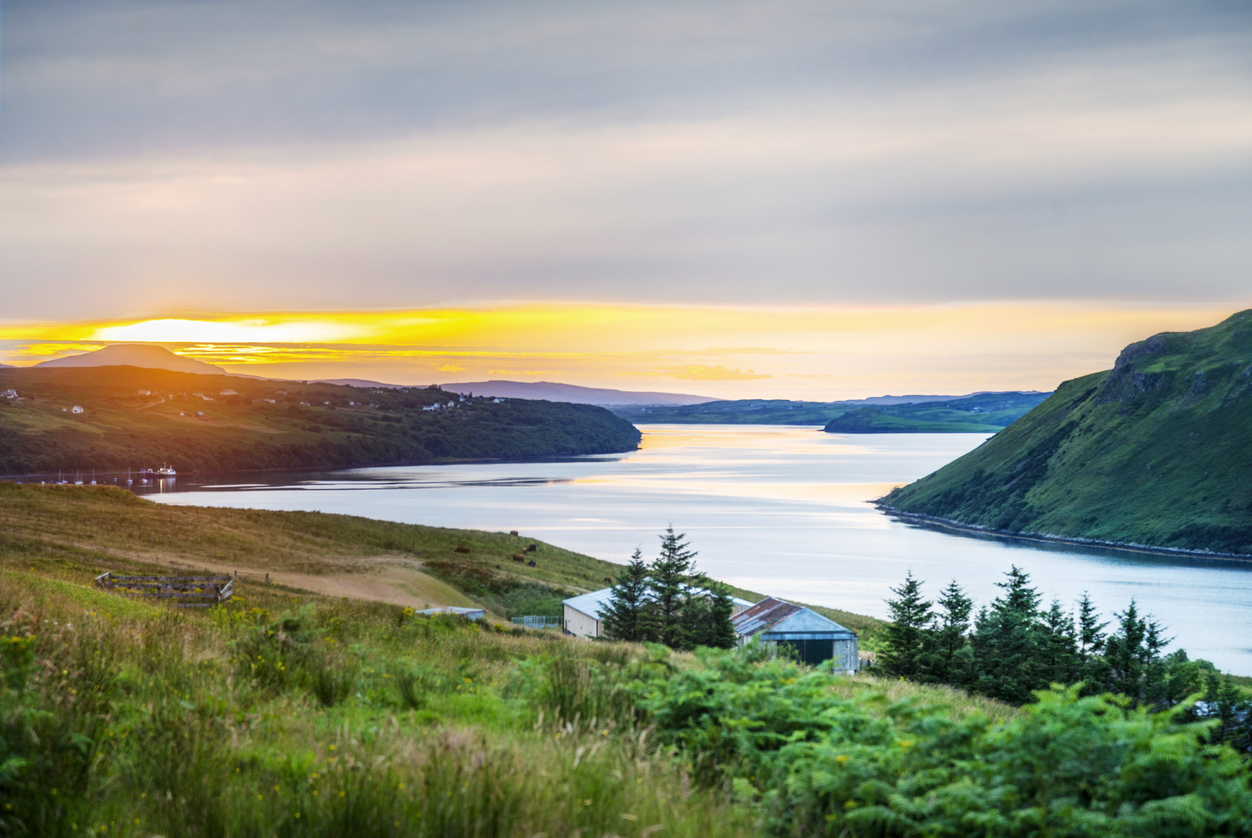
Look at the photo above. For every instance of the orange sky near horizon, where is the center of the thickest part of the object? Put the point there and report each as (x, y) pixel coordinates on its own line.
(816, 353)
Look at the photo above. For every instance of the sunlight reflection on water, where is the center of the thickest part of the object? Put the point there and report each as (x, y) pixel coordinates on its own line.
(781, 510)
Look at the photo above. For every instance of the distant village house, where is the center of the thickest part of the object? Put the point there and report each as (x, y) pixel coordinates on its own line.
(76, 409)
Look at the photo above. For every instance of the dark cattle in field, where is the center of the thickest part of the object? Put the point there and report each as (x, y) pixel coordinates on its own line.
(530, 548)
(608, 580)
(519, 557)
(512, 532)
(531, 562)
(461, 548)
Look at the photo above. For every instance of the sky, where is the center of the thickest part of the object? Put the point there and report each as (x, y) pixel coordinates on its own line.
(787, 199)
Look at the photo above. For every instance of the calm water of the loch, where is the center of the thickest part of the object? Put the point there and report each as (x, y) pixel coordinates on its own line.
(781, 510)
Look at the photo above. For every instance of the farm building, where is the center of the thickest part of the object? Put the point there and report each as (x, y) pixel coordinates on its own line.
(814, 638)
(76, 409)
(581, 614)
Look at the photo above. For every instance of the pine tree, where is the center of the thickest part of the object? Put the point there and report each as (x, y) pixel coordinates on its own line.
(669, 579)
(1090, 630)
(1133, 657)
(626, 615)
(906, 635)
(1006, 642)
(715, 628)
(947, 658)
(1060, 660)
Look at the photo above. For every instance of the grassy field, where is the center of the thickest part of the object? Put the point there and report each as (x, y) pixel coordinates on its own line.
(1153, 452)
(291, 713)
(135, 418)
(80, 530)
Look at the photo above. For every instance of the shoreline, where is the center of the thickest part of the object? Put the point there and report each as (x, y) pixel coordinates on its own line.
(1049, 538)
(50, 479)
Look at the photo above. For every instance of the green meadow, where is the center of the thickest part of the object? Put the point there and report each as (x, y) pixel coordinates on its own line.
(287, 712)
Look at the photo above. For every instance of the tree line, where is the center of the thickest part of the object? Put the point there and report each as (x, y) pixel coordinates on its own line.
(669, 601)
(1009, 649)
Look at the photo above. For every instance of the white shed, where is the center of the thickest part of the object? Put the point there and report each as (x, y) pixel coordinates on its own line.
(581, 615)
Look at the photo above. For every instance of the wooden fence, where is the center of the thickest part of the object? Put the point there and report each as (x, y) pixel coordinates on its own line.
(186, 591)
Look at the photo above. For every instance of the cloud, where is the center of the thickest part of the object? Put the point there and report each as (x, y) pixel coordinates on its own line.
(240, 155)
(699, 373)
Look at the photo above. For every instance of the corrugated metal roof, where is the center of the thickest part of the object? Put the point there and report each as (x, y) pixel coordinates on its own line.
(778, 616)
(761, 616)
(593, 603)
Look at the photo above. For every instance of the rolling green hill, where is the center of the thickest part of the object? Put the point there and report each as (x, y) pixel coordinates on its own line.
(980, 412)
(1155, 452)
(132, 418)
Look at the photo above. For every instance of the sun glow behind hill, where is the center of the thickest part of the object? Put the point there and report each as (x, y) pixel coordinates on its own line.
(733, 352)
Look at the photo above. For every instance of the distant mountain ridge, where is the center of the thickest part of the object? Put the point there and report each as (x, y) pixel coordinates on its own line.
(1154, 452)
(145, 355)
(976, 412)
(555, 392)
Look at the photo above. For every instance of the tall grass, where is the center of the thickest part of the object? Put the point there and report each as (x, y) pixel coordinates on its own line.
(122, 718)
(282, 715)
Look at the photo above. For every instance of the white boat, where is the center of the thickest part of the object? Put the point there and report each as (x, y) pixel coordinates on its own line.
(166, 471)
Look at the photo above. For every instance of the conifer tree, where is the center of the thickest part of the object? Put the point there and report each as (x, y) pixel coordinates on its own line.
(626, 616)
(947, 654)
(1090, 630)
(1005, 642)
(669, 577)
(1135, 665)
(1059, 659)
(905, 637)
(715, 629)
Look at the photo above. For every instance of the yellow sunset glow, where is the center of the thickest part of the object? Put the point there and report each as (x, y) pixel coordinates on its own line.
(253, 330)
(727, 351)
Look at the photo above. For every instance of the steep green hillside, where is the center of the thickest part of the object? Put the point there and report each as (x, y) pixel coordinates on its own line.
(143, 417)
(983, 413)
(1156, 451)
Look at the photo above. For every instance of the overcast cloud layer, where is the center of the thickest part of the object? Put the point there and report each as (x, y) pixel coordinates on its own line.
(251, 155)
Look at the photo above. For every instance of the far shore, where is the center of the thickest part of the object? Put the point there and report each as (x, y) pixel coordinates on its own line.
(1049, 538)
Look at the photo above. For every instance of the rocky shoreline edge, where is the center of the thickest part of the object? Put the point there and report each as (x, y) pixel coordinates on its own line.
(1050, 538)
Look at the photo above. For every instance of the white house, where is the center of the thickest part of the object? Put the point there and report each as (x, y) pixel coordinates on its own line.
(229, 392)
(581, 614)
(76, 409)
